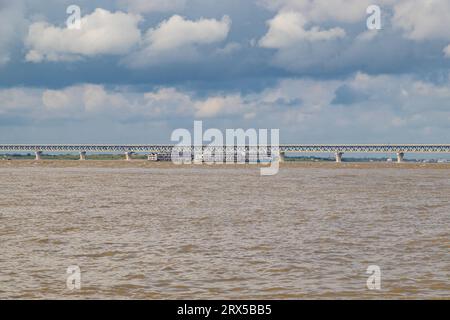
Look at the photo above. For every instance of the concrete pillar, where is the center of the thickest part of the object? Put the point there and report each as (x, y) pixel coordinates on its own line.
(400, 157)
(83, 155)
(128, 156)
(339, 156)
(38, 155)
(282, 157)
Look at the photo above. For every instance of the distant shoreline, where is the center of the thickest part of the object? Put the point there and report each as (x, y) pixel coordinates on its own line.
(140, 156)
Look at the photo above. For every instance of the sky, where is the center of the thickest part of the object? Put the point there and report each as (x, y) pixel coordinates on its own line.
(136, 70)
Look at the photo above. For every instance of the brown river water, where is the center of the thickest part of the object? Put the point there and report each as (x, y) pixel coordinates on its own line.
(157, 231)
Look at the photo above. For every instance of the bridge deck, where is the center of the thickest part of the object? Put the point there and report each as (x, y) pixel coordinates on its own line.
(161, 148)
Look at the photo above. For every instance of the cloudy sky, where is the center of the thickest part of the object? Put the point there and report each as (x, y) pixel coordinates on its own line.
(138, 69)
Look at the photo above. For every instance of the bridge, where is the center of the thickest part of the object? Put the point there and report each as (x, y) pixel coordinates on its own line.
(281, 150)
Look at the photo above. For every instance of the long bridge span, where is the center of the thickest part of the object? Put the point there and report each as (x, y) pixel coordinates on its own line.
(281, 150)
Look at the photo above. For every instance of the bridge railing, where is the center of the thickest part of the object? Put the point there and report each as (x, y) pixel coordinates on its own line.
(160, 148)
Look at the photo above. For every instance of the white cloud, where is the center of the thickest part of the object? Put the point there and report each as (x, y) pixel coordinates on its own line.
(178, 32)
(102, 32)
(447, 51)
(177, 39)
(288, 29)
(97, 99)
(82, 101)
(423, 19)
(172, 103)
(221, 105)
(17, 99)
(117, 33)
(146, 6)
(55, 99)
(166, 102)
(303, 108)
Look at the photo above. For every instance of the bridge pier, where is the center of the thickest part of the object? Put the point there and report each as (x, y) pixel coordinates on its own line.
(400, 157)
(83, 155)
(282, 157)
(128, 156)
(38, 155)
(339, 156)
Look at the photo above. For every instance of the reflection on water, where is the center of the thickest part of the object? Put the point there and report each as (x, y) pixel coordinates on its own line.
(149, 233)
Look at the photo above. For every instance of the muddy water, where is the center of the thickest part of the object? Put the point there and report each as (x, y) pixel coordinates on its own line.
(196, 232)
